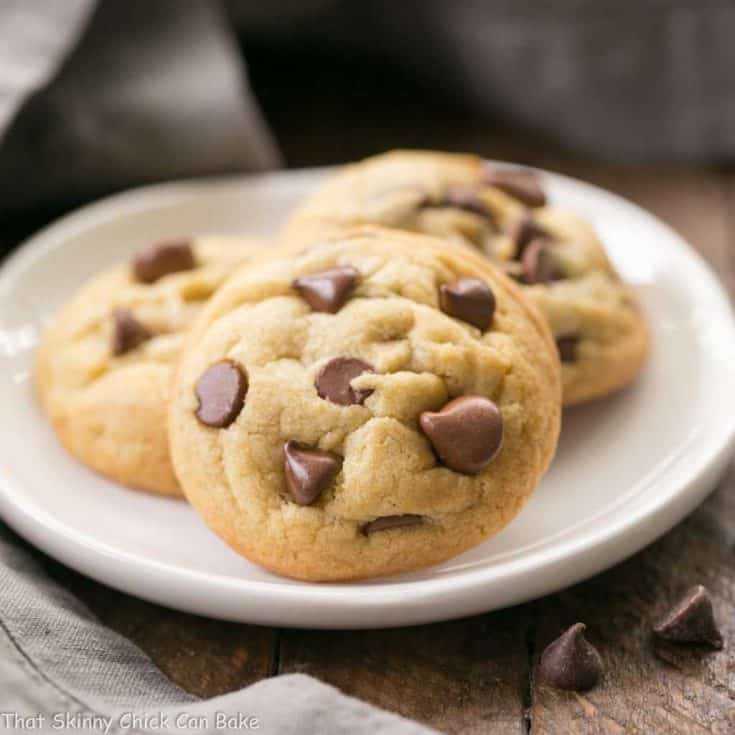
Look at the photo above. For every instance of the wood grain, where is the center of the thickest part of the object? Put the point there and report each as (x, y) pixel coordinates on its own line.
(650, 687)
(467, 676)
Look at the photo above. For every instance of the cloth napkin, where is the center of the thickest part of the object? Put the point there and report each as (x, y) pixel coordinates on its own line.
(100, 96)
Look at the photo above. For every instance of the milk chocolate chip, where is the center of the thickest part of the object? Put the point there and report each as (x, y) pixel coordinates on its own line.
(537, 263)
(567, 346)
(570, 662)
(524, 231)
(127, 332)
(521, 184)
(385, 523)
(468, 299)
(162, 258)
(308, 471)
(221, 392)
(328, 290)
(466, 434)
(691, 620)
(333, 381)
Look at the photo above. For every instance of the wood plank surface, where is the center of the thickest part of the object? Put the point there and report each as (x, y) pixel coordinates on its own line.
(467, 676)
(650, 687)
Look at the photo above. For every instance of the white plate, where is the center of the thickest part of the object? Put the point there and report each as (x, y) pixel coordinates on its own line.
(628, 468)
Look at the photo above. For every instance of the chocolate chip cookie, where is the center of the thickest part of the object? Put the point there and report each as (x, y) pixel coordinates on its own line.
(105, 364)
(503, 213)
(376, 404)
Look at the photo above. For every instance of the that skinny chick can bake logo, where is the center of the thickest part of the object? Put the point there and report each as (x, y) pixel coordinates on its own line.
(128, 722)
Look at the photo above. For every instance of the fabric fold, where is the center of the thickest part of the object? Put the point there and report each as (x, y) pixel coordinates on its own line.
(151, 92)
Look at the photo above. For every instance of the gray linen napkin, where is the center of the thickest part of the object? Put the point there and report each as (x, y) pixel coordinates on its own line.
(62, 669)
(635, 79)
(33, 46)
(100, 96)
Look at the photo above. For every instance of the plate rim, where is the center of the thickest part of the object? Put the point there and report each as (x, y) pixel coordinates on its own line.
(355, 600)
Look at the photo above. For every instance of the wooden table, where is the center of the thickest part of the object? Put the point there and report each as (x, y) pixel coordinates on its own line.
(477, 675)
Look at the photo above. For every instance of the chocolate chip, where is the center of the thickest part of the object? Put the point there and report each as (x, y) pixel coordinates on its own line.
(127, 332)
(308, 471)
(162, 258)
(567, 347)
(691, 620)
(537, 263)
(466, 199)
(328, 290)
(570, 662)
(333, 381)
(466, 434)
(468, 299)
(524, 231)
(221, 392)
(521, 184)
(385, 523)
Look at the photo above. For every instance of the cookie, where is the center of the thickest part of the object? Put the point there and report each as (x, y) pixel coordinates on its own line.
(502, 213)
(104, 365)
(377, 404)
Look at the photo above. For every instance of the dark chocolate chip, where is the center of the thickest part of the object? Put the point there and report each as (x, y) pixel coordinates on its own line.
(521, 184)
(468, 299)
(308, 471)
(570, 662)
(162, 258)
(537, 263)
(385, 523)
(567, 347)
(466, 434)
(523, 231)
(691, 620)
(466, 199)
(333, 381)
(328, 290)
(127, 332)
(221, 392)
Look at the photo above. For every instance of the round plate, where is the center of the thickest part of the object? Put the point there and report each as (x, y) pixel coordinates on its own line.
(627, 469)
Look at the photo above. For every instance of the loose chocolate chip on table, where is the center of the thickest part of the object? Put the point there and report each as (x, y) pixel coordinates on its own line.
(162, 258)
(691, 620)
(519, 183)
(221, 392)
(308, 471)
(333, 381)
(537, 263)
(567, 347)
(127, 332)
(328, 290)
(466, 199)
(466, 434)
(570, 662)
(468, 299)
(387, 522)
(523, 231)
